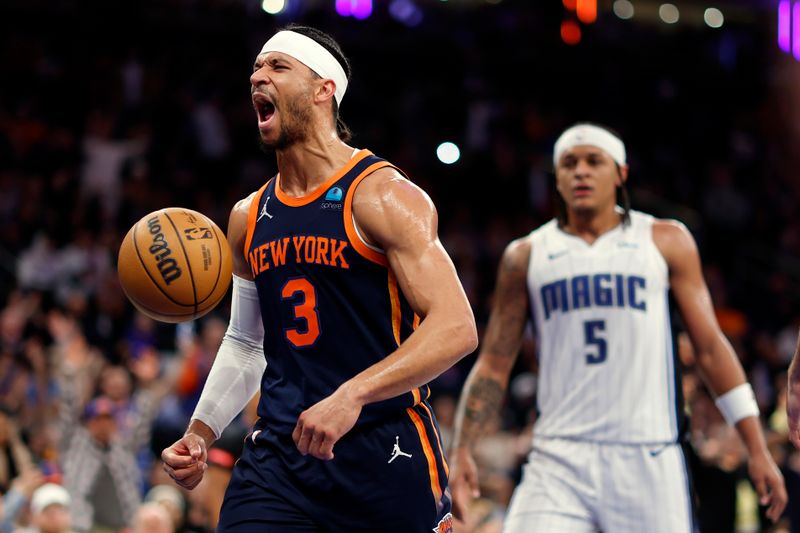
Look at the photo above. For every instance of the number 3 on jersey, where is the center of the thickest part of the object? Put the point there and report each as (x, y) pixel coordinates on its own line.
(304, 297)
(593, 338)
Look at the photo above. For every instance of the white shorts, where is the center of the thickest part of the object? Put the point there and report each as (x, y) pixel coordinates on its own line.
(581, 487)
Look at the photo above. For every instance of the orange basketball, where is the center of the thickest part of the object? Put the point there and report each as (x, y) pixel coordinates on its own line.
(175, 265)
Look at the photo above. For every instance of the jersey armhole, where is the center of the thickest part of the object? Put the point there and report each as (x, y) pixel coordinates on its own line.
(252, 216)
(374, 254)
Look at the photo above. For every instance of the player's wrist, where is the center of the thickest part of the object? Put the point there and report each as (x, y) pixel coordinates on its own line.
(201, 429)
(737, 404)
(354, 393)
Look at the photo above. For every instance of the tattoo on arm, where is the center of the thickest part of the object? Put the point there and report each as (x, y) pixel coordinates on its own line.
(483, 401)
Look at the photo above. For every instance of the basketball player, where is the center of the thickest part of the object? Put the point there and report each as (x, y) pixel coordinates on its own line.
(341, 279)
(606, 448)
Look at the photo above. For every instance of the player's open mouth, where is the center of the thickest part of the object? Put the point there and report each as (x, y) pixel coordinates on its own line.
(264, 108)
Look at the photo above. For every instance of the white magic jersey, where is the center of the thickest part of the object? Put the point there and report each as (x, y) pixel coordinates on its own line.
(606, 362)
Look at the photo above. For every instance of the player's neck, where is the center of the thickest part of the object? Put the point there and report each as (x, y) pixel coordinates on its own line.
(306, 165)
(590, 226)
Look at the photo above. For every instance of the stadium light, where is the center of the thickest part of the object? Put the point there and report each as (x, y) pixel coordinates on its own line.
(273, 7)
(570, 32)
(587, 11)
(448, 153)
(714, 17)
(796, 31)
(623, 9)
(359, 9)
(669, 13)
(785, 25)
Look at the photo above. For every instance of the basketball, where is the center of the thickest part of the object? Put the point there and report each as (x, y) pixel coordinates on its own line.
(175, 265)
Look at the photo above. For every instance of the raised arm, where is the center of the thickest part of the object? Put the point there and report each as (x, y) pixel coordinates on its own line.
(716, 360)
(485, 387)
(394, 214)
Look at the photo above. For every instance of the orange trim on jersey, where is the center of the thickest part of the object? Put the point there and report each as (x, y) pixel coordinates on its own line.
(433, 469)
(349, 226)
(438, 440)
(417, 396)
(252, 216)
(394, 297)
(316, 193)
(415, 323)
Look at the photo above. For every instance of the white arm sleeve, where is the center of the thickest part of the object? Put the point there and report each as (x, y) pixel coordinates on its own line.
(240, 363)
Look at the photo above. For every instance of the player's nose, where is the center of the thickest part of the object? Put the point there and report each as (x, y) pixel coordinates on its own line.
(258, 77)
(582, 169)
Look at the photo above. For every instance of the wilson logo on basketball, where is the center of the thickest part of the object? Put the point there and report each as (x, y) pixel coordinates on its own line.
(167, 266)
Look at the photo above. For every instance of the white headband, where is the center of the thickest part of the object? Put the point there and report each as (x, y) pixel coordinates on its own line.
(593, 136)
(312, 54)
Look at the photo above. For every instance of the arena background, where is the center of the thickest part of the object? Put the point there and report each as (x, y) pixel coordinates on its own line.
(109, 110)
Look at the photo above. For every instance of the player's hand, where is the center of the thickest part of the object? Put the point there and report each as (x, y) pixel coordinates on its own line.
(185, 461)
(463, 481)
(793, 407)
(769, 485)
(324, 423)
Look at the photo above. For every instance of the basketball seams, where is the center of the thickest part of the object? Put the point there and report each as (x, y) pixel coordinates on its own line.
(165, 317)
(185, 256)
(147, 271)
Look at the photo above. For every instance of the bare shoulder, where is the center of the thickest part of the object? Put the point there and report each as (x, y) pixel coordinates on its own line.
(673, 239)
(388, 188)
(516, 256)
(237, 222)
(237, 234)
(386, 201)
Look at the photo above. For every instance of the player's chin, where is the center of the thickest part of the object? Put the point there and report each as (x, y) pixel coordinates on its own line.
(267, 141)
(584, 204)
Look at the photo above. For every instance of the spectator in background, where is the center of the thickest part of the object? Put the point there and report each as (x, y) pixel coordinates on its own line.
(50, 510)
(16, 499)
(169, 497)
(152, 518)
(99, 462)
(14, 454)
(198, 358)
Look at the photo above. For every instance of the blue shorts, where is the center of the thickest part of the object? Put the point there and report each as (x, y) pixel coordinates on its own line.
(387, 476)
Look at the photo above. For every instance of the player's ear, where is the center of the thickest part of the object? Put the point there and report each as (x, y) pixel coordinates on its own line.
(325, 90)
(623, 175)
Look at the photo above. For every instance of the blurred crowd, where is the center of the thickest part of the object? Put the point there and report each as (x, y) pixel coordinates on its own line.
(103, 121)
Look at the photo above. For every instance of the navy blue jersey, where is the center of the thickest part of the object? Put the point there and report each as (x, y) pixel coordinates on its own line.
(330, 304)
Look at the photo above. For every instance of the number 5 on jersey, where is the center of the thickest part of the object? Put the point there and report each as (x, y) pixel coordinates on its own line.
(592, 330)
(304, 297)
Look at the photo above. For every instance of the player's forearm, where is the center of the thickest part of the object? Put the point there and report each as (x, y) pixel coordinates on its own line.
(753, 437)
(719, 367)
(436, 345)
(481, 399)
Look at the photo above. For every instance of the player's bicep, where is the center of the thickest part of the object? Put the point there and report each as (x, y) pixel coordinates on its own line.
(399, 217)
(687, 283)
(510, 308)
